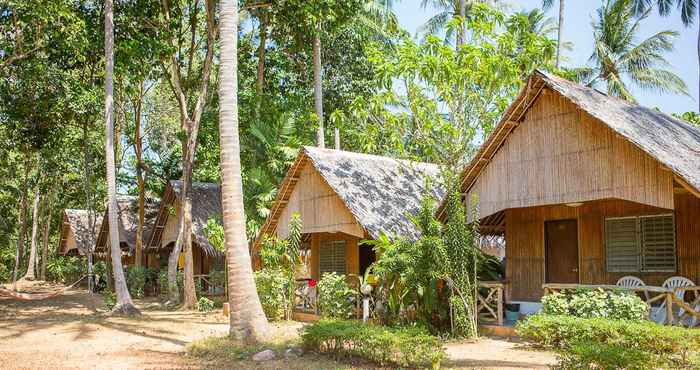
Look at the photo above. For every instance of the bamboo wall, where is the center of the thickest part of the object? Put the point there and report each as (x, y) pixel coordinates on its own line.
(525, 263)
(559, 154)
(320, 208)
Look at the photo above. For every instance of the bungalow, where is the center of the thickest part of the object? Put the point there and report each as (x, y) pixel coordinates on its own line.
(206, 204)
(77, 237)
(344, 198)
(128, 224)
(587, 188)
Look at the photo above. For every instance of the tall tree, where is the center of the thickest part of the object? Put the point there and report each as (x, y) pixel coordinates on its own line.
(616, 56)
(448, 10)
(194, 87)
(318, 87)
(247, 319)
(688, 10)
(45, 235)
(31, 273)
(546, 5)
(124, 303)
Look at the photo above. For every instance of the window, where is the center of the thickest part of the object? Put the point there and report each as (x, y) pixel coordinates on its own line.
(332, 257)
(640, 244)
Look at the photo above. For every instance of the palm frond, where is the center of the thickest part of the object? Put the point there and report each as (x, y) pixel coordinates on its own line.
(660, 80)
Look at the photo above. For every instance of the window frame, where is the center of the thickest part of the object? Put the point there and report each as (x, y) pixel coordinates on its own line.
(640, 244)
(335, 244)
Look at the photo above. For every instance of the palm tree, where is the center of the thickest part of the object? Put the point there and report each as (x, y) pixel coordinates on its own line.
(247, 319)
(687, 8)
(546, 5)
(616, 55)
(124, 304)
(449, 9)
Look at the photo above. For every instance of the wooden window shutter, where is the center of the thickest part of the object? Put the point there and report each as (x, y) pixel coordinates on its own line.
(332, 257)
(621, 244)
(658, 243)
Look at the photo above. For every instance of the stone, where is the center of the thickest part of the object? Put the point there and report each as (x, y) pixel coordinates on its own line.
(293, 352)
(265, 355)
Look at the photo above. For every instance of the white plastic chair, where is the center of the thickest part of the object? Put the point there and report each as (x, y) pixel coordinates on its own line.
(672, 283)
(632, 282)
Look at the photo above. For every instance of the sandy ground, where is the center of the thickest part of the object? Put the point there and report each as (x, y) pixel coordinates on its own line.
(71, 332)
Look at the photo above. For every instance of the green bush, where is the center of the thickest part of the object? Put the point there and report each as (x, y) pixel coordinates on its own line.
(217, 277)
(109, 298)
(606, 356)
(675, 344)
(136, 277)
(591, 303)
(271, 285)
(163, 282)
(413, 347)
(205, 304)
(335, 296)
(65, 269)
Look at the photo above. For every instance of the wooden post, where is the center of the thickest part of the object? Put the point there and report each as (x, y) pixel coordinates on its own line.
(500, 306)
(669, 308)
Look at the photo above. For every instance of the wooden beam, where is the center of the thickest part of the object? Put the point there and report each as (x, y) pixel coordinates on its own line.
(687, 186)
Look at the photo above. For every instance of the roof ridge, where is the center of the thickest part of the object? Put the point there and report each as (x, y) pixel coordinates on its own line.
(366, 155)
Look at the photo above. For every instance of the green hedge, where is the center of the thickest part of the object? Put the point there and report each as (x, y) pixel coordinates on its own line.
(591, 303)
(407, 347)
(587, 336)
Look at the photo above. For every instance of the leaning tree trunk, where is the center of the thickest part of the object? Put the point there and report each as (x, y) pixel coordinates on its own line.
(173, 289)
(45, 247)
(124, 304)
(318, 87)
(247, 319)
(560, 40)
(31, 274)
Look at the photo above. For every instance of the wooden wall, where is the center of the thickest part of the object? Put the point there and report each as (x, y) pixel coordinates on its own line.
(170, 231)
(525, 264)
(320, 208)
(559, 154)
(352, 253)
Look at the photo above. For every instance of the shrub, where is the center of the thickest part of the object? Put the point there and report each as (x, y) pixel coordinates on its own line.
(335, 296)
(606, 356)
(136, 277)
(413, 346)
(217, 277)
(205, 304)
(675, 344)
(109, 298)
(271, 285)
(65, 269)
(591, 303)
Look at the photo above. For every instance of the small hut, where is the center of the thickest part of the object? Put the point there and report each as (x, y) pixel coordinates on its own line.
(587, 188)
(128, 225)
(344, 198)
(206, 205)
(77, 235)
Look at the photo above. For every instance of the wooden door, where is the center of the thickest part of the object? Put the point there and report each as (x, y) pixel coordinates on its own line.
(561, 246)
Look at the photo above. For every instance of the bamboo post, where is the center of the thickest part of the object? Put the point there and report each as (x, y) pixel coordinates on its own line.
(500, 306)
(669, 308)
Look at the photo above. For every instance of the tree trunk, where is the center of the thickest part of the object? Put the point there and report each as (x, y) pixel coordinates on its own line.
(189, 299)
(699, 58)
(141, 181)
(124, 304)
(462, 35)
(318, 87)
(22, 232)
(260, 82)
(173, 289)
(31, 274)
(247, 319)
(45, 247)
(560, 40)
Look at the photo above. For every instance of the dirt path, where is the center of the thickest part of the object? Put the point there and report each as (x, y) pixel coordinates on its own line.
(71, 332)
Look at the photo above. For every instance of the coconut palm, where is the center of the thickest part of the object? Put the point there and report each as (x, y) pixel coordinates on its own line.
(687, 8)
(448, 9)
(546, 5)
(124, 304)
(247, 319)
(618, 58)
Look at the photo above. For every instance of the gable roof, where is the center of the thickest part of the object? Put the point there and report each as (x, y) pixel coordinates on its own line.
(380, 192)
(77, 221)
(128, 222)
(206, 204)
(672, 142)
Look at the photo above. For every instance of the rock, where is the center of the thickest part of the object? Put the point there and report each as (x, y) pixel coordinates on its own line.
(293, 352)
(265, 355)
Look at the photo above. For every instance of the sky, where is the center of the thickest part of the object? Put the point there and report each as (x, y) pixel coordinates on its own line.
(578, 30)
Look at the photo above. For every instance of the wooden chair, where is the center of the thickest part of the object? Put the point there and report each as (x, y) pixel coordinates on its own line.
(672, 283)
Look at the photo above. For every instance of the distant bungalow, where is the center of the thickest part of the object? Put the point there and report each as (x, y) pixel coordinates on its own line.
(587, 188)
(77, 237)
(344, 198)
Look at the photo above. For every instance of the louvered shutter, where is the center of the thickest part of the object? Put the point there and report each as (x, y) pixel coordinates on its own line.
(332, 257)
(658, 243)
(621, 244)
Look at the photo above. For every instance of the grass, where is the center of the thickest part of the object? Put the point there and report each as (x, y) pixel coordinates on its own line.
(224, 352)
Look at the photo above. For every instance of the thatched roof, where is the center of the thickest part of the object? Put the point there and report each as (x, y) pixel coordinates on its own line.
(128, 222)
(380, 192)
(77, 221)
(674, 143)
(206, 204)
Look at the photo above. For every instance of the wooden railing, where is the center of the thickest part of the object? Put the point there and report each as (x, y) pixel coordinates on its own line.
(211, 287)
(677, 310)
(490, 300)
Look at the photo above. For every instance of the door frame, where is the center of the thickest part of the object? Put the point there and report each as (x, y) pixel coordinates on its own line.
(545, 246)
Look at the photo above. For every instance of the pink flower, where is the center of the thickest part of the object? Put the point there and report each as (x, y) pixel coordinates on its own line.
(312, 283)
